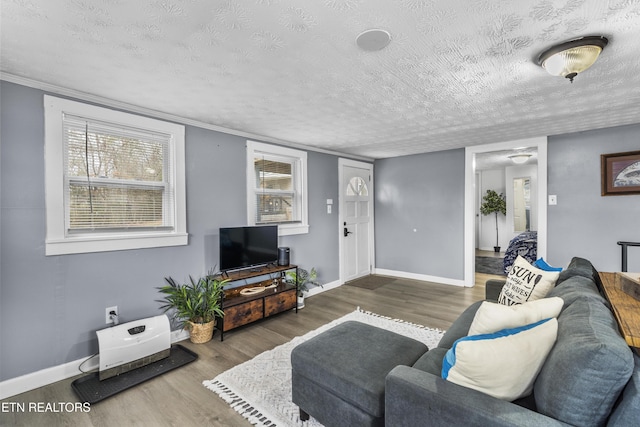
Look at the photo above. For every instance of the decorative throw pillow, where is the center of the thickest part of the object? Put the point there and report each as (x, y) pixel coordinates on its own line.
(503, 364)
(526, 283)
(542, 265)
(492, 317)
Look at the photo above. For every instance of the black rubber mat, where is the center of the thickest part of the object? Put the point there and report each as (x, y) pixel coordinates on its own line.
(90, 389)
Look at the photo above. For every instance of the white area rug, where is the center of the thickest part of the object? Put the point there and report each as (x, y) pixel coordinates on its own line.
(260, 389)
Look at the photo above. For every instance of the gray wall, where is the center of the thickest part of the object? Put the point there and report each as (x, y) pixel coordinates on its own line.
(584, 223)
(319, 248)
(58, 302)
(50, 307)
(424, 193)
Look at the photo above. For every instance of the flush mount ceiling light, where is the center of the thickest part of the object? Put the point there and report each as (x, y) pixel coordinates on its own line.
(519, 158)
(572, 57)
(373, 40)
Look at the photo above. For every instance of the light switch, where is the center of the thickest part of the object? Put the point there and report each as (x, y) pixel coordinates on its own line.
(328, 209)
(553, 199)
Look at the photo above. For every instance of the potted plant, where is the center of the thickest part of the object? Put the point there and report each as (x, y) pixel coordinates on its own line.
(196, 304)
(494, 203)
(303, 278)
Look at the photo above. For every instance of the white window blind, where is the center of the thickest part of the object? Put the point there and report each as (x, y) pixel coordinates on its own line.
(276, 187)
(113, 180)
(117, 177)
(275, 193)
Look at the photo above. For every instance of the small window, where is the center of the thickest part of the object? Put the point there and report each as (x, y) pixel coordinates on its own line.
(357, 187)
(276, 187)
(114, 180)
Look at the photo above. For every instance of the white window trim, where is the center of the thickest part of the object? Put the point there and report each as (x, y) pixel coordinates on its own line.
(57, 242)
(284, 229)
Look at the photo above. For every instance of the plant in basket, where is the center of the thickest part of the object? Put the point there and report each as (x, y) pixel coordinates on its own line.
(196, 304)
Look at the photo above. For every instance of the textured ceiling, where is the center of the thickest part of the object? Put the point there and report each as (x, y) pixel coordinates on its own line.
(456, 73)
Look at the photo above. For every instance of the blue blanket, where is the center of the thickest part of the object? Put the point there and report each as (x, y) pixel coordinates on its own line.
(525, 245)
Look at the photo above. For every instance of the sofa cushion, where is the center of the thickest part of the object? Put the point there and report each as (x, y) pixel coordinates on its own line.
(492, 317)
(492, 289)
(526, 283)
(431, 361)
(459, 328)
(627, 413)
(578, 267)
(577, 287)
(587, 368)
(503, 364)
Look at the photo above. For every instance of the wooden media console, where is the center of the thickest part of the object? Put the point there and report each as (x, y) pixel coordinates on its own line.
(278, 296)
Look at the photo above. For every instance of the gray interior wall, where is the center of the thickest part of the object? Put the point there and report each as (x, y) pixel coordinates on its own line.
(58, 302)
(584, 223)
(319, 248)
(426, 192)
(419, 214)
(50, 307)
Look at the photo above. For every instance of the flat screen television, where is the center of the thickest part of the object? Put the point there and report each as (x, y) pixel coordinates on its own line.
(242, 247)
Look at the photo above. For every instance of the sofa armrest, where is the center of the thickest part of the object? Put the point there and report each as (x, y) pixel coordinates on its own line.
(492, 289)
(417, 398)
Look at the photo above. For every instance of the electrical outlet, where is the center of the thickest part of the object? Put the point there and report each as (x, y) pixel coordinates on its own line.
(107, 312)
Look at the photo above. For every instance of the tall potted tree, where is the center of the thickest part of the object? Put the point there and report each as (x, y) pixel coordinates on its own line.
(196, 304)
(494, 203)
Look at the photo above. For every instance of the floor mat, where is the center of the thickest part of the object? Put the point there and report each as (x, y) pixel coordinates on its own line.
(489, 265)
(90, 389)
(371, 282)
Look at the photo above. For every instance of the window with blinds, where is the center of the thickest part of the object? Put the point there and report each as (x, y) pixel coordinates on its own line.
(117, 177)
(276, 198)
(113, 180)
(277, 187)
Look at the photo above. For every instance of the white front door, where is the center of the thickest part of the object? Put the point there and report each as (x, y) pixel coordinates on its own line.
(356, 219)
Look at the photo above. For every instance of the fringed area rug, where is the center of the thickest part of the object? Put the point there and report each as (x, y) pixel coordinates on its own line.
(260, 389)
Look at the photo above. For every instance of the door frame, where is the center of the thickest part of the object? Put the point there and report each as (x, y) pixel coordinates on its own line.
(341, 186)
(470, 195)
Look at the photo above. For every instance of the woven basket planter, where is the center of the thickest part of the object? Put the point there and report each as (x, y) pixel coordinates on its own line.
(201, 332)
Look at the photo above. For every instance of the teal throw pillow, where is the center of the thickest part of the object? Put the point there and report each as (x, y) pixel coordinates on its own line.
(542, 265)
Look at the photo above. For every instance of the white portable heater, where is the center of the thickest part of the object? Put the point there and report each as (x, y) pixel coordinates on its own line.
(133, 345)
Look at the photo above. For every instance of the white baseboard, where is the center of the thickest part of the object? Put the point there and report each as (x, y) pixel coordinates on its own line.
(24, 383)
(424, 277)
(179, 335)
(490, 249)
(327, 286)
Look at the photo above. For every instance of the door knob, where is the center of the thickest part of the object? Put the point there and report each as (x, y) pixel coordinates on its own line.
(346, 232)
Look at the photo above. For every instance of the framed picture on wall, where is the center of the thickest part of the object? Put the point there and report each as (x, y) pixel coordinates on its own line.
(620, 173)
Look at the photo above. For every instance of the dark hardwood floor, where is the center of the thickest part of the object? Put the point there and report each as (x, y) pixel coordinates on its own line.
(178, 398)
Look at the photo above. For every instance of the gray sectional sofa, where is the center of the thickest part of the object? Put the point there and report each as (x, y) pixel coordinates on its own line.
(590, 377)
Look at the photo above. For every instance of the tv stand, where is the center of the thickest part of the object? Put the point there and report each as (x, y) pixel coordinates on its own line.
(240, 310)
